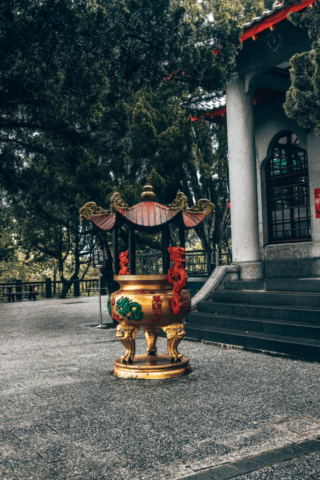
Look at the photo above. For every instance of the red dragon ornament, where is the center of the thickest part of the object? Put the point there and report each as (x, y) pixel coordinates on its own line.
(178, 276)
(124, 261)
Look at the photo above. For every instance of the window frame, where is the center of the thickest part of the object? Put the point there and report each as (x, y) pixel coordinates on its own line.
(287, 192)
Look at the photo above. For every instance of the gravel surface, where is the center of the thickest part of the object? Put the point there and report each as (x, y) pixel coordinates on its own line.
(63, 415)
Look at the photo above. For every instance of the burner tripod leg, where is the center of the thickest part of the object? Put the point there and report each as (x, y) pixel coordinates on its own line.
(175, 334)
(151, 335)
(127, 334)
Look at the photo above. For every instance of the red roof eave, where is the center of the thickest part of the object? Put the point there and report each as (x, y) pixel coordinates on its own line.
(274, 18)
(147, 214)
(211, 114)
(104, 222)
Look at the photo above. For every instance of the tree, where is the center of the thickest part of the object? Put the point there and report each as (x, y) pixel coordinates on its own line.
(69, 72)
(90, 96)
(50, 232)
(239, 11)
(180, 155)
(7, 246)
(303, 97)
(66, 65)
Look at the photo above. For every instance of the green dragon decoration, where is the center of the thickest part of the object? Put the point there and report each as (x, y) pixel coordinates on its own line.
(109, 305)
(126, 307)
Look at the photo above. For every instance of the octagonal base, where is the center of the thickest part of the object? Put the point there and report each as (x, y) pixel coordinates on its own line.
(152, 367)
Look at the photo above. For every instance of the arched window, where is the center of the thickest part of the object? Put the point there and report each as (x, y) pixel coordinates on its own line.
(287, 187)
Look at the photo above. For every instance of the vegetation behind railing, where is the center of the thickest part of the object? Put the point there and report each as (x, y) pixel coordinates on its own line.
(198, 262)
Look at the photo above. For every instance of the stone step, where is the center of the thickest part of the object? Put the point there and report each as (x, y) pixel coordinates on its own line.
(268, 298)
(304, 348)
(264, 325)
(244, 285)
(294, 313)
(293, 285)
(308, 285)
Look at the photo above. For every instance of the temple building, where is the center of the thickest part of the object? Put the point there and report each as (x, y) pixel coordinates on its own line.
(274, 163)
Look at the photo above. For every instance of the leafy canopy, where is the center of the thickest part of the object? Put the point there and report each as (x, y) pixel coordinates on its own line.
(71, 114)
(303, 97)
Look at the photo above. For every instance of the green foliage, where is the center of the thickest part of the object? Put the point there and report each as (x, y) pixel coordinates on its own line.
(240, 11)
(90, 95)
(81, 110)
(181, 156)
(303, 97)
(7, 246)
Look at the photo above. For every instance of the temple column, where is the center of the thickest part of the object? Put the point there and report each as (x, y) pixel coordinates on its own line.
(182, 237)
(132, 251)
(115, 250)
(243, 181)
(165, 253)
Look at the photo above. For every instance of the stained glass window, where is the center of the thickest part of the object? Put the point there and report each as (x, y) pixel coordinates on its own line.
(287, 187)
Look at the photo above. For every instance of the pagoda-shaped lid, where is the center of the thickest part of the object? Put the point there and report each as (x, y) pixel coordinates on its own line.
(147, 215)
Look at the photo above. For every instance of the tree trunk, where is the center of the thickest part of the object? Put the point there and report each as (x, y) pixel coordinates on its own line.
(222, 227)
(107, 272)
(66, 284)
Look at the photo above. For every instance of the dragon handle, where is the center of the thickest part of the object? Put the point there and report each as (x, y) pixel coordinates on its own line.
(124, 261)
(177, 275)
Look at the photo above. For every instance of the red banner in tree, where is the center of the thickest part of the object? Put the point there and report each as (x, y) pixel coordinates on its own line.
(317, 201)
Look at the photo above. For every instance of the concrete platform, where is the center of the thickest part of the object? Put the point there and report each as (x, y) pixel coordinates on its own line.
(64, 415)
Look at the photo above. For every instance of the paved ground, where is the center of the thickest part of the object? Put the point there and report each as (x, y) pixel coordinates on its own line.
(63, 415)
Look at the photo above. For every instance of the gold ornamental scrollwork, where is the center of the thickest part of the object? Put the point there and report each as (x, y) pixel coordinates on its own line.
(116, 202)
(90, 209)
(204, 206)
(180, 202)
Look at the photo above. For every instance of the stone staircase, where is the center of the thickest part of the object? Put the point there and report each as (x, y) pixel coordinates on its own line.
(280, 316)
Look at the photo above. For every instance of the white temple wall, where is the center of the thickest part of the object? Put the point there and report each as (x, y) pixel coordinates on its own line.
(289, 259)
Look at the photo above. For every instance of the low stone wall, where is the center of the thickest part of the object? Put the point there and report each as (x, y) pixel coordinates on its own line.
(291, 260)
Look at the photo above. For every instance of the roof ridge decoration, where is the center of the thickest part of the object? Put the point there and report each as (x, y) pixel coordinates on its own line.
(269, 18)
(116, 203)
(276, 6)
(180, 202)
(90, 209)
(204, 206)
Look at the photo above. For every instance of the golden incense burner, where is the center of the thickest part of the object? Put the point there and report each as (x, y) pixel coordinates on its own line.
(145, 301)
(150, 302)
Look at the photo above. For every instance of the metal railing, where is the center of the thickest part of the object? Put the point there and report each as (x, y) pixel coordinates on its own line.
(47, 289)
(21, 289)
(198, 262)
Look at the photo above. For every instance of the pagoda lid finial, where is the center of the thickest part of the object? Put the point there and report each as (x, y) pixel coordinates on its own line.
(148, 194)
